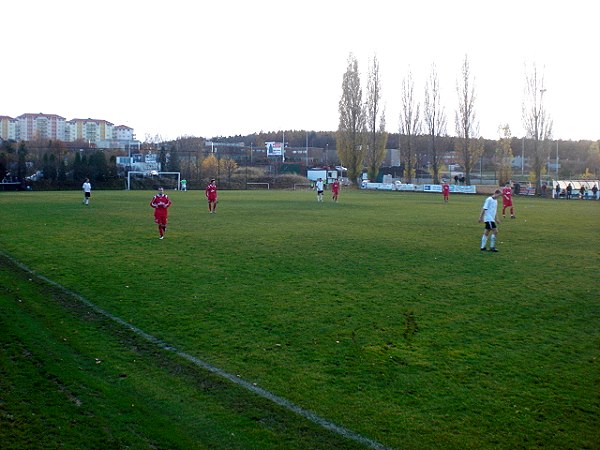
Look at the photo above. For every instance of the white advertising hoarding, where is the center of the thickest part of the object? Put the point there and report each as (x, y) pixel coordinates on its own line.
(274, 148)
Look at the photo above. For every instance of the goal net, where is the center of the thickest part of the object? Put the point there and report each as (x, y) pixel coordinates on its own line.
(148, 181)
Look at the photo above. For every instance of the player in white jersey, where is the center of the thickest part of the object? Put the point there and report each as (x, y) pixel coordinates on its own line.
(87, 191)
(490, 218)
(319, 186)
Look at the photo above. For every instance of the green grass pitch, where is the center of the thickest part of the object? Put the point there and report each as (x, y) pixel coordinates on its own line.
(378, 313)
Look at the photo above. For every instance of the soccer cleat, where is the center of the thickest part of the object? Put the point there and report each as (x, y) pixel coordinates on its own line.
(494, 249)
(513, 217)
(483, 249)
(162, 237)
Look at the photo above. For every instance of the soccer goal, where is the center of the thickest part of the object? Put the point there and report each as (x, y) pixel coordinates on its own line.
(250, 185)
(302, 186)
(153, 180)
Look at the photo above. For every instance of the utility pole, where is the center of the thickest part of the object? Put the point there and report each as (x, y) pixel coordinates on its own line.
(557, 160)
(306, 148)
(523, 156)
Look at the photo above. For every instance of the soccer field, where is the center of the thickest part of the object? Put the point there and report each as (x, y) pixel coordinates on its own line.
(378, 314)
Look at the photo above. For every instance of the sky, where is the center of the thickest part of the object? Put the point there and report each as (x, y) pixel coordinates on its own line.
(236, 67)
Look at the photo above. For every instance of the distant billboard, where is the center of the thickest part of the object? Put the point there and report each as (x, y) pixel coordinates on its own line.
(274, 148)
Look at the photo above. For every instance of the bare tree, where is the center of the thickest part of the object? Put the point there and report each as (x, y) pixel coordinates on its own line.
(410, 126)
(467, 127)
(537, 123)
(434, 119)
(350, 134)
(376, 135)
(504, 155)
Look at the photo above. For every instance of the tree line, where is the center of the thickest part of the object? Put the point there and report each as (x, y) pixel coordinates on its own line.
(361, 136)
(67, 165)
(360, 142)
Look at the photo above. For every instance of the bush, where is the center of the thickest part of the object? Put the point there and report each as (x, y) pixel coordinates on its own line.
(288, 180)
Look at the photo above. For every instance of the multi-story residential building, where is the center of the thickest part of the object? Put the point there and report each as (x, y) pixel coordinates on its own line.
(40, 126)
(90, 130)
(101, 133)
(8, 128)
(123, 133)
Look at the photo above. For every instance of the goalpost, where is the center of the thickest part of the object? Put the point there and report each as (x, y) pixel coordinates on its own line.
(146, 181)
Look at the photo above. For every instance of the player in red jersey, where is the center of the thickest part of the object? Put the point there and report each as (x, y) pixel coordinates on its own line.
(446, 191)
(161, 202)
(335, 189)
(507, 201)
(211, 196)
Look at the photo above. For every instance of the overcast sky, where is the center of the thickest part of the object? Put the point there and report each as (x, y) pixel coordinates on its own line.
(220, 68)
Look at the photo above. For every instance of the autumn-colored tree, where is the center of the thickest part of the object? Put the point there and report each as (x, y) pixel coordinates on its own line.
(210, 166)
(504, 155)
(228, 166)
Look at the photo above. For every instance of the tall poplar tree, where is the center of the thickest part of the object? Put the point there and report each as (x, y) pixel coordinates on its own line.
(351, 129)
(537, 123)
(467, 126)
(376, 134)
(410, 126)
(434, 119)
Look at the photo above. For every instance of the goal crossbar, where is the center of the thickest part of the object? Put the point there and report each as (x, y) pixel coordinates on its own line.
(145, 173)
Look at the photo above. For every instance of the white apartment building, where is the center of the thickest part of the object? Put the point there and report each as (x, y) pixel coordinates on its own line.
(8, 128)
(40, 126)
(103, 134)
(123, 133)
(90, 130)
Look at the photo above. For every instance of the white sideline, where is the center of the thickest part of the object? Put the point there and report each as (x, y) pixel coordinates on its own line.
(349, 434)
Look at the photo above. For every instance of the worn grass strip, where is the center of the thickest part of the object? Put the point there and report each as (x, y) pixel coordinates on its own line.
(71, 377)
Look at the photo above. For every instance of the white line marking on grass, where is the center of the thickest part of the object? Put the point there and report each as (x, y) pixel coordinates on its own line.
(349, 434)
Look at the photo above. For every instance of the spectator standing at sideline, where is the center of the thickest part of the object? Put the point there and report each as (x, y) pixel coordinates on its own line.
(595, 192)
(87, 191)
(557, 190)
(569, 191)
(161, 202)
(490, 218)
